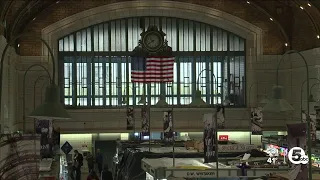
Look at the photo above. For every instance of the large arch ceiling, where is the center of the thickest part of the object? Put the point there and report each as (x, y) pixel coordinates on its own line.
(33, 16)
(252, 33)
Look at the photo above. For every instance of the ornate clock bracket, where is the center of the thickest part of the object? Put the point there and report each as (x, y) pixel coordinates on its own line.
(163, 51)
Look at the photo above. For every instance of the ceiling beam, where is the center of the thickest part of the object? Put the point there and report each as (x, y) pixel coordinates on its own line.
(314, 23)
(271, 18)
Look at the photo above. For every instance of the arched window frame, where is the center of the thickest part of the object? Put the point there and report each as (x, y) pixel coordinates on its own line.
(95, 73)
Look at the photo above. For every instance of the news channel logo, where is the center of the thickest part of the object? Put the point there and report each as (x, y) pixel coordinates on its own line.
(297, 155)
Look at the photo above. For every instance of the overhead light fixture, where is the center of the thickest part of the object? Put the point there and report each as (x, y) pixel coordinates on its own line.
(264, 101)
(301, 7)
(271, 19)
(143, 99)
(311, 98)
(226, 102)
(18, 45)
(309, 4)
(162, 101)
(318, 36)
(52, 108)
(57, 2)
(198, 101)
(33, 19)
(286, 44)
(248, 2)
(277, 104)
(124, 100)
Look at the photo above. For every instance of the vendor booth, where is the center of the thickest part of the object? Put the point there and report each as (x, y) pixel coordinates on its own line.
(194, 168)
(139, 160)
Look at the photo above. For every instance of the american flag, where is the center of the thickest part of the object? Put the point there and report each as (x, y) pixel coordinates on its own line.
(152, 69)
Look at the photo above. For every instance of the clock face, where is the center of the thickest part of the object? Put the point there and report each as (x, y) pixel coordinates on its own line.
(152, 41)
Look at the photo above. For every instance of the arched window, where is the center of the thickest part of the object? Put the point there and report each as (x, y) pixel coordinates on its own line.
(95, 64)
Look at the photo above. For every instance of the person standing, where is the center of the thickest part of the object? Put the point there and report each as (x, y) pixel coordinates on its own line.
(90, 161)
(78, 163)
(99, 160)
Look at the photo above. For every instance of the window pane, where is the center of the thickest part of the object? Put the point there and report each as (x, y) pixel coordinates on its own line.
(66, 44)
(95, 38)
(68, 85)
(84, 40)
(185, 79)
(78, 41)
(201, 75)
(106, 37)
(115, 80)
(71, 43)
(172, 87)
(61, 45)
(123, 77)
(82, 83)
(98, 82)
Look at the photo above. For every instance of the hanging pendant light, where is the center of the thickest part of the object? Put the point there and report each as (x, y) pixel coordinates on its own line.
(311, 98)
(143, 99)
(264, 101)
(124, 100)
(162, 101)
(277, 104)
(198, 101)
(52, 107)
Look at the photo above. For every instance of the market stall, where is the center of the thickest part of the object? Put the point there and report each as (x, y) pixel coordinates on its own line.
(194, 168)
(129, 156)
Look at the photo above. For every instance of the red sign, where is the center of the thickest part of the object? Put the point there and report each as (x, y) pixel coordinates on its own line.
(223, 137)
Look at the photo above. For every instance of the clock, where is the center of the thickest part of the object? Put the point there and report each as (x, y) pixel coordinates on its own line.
(152, 41)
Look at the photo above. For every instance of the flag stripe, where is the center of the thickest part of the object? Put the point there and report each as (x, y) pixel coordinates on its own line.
(153, 80)
(152, 69)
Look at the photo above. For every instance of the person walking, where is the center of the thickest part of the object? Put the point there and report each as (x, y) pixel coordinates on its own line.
(99, 160)
(90, 161)
(106, 174)
(78, 163)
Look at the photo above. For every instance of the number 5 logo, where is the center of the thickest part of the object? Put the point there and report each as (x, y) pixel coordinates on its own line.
(297, 155)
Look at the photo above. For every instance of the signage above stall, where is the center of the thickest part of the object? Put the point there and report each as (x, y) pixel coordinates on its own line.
(236, 148)
(194, 174)
(223, 138)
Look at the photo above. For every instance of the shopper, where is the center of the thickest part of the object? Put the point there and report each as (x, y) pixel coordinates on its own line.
(90, 161)
(99, 160)
(92, 176)
(78, 163)
(106, 174)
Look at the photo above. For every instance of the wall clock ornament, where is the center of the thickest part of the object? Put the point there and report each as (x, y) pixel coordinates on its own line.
(152, 43)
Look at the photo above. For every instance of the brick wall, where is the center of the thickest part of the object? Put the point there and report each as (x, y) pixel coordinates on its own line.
(273, 39)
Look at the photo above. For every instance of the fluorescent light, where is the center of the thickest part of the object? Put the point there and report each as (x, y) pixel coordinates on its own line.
(18, 45)
(318, 36)
(248, 2)
(301, 7)
(309, 4)
(286, 44)
(271, 19)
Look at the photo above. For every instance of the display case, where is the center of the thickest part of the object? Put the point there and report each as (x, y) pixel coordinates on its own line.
(194, 168)
(63, 175)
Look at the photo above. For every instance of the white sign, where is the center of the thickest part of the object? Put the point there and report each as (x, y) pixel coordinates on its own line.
(297, 155)
(236, 148)
(194, 174)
